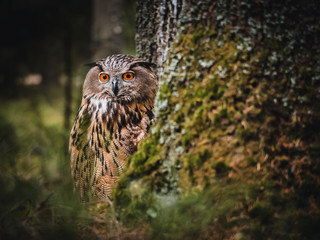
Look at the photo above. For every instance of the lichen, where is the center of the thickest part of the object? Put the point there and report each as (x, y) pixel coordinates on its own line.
(235, 144)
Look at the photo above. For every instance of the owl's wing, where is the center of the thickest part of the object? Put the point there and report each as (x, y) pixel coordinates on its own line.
(111, 156)
(100, 146)
(81, 154)
(97, 155)
(115, 144)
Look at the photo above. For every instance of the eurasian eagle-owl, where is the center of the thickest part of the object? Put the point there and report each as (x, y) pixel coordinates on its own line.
(114, 117)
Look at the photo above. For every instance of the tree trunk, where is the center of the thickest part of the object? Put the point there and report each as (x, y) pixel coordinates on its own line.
(158, 22)
(107, 30)
(234, 152)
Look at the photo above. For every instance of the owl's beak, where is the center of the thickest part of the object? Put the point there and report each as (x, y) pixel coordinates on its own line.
(115, 87)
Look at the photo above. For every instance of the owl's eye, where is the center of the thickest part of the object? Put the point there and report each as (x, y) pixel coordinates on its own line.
(103, 77)
(128, 76)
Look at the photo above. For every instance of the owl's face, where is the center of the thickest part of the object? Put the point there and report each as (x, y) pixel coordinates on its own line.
(121, 78)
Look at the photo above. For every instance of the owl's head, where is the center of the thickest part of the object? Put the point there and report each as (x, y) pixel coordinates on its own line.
(121, 78)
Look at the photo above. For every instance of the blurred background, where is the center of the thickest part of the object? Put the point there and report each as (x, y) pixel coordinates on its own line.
(44, 48)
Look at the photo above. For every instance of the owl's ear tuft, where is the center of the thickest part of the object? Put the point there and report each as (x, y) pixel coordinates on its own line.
(148, 65)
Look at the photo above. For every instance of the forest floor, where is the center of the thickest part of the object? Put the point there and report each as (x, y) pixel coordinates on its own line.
(37, 200)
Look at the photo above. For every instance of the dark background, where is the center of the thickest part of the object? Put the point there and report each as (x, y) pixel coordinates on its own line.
(44, 46)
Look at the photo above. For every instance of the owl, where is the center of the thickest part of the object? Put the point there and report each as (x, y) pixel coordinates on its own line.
(114, 117)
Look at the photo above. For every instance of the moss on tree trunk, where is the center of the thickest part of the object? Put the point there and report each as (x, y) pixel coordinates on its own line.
(235, 150)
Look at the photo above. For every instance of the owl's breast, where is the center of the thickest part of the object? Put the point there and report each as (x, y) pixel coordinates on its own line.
(119, 128)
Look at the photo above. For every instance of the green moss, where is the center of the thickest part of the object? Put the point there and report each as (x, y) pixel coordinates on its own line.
(221, 168)
(146, 156)
(262, 213)
(245, 133)
(186, 139)
(220, 116)
(196, 212)
(165, 91)
(219, 123)
(195, 161)
(270, 185)
(137, 199)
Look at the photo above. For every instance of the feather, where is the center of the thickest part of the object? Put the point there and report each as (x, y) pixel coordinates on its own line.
(110, 125)
(97, 156)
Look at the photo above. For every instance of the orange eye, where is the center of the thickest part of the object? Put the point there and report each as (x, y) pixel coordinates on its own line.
(103, 77)
(128, 76)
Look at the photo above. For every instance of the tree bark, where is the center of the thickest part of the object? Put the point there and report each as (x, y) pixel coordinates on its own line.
(236, 140)
(159, 21)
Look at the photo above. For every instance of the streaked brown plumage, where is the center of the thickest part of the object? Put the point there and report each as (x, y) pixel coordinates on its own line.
(114, 117)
